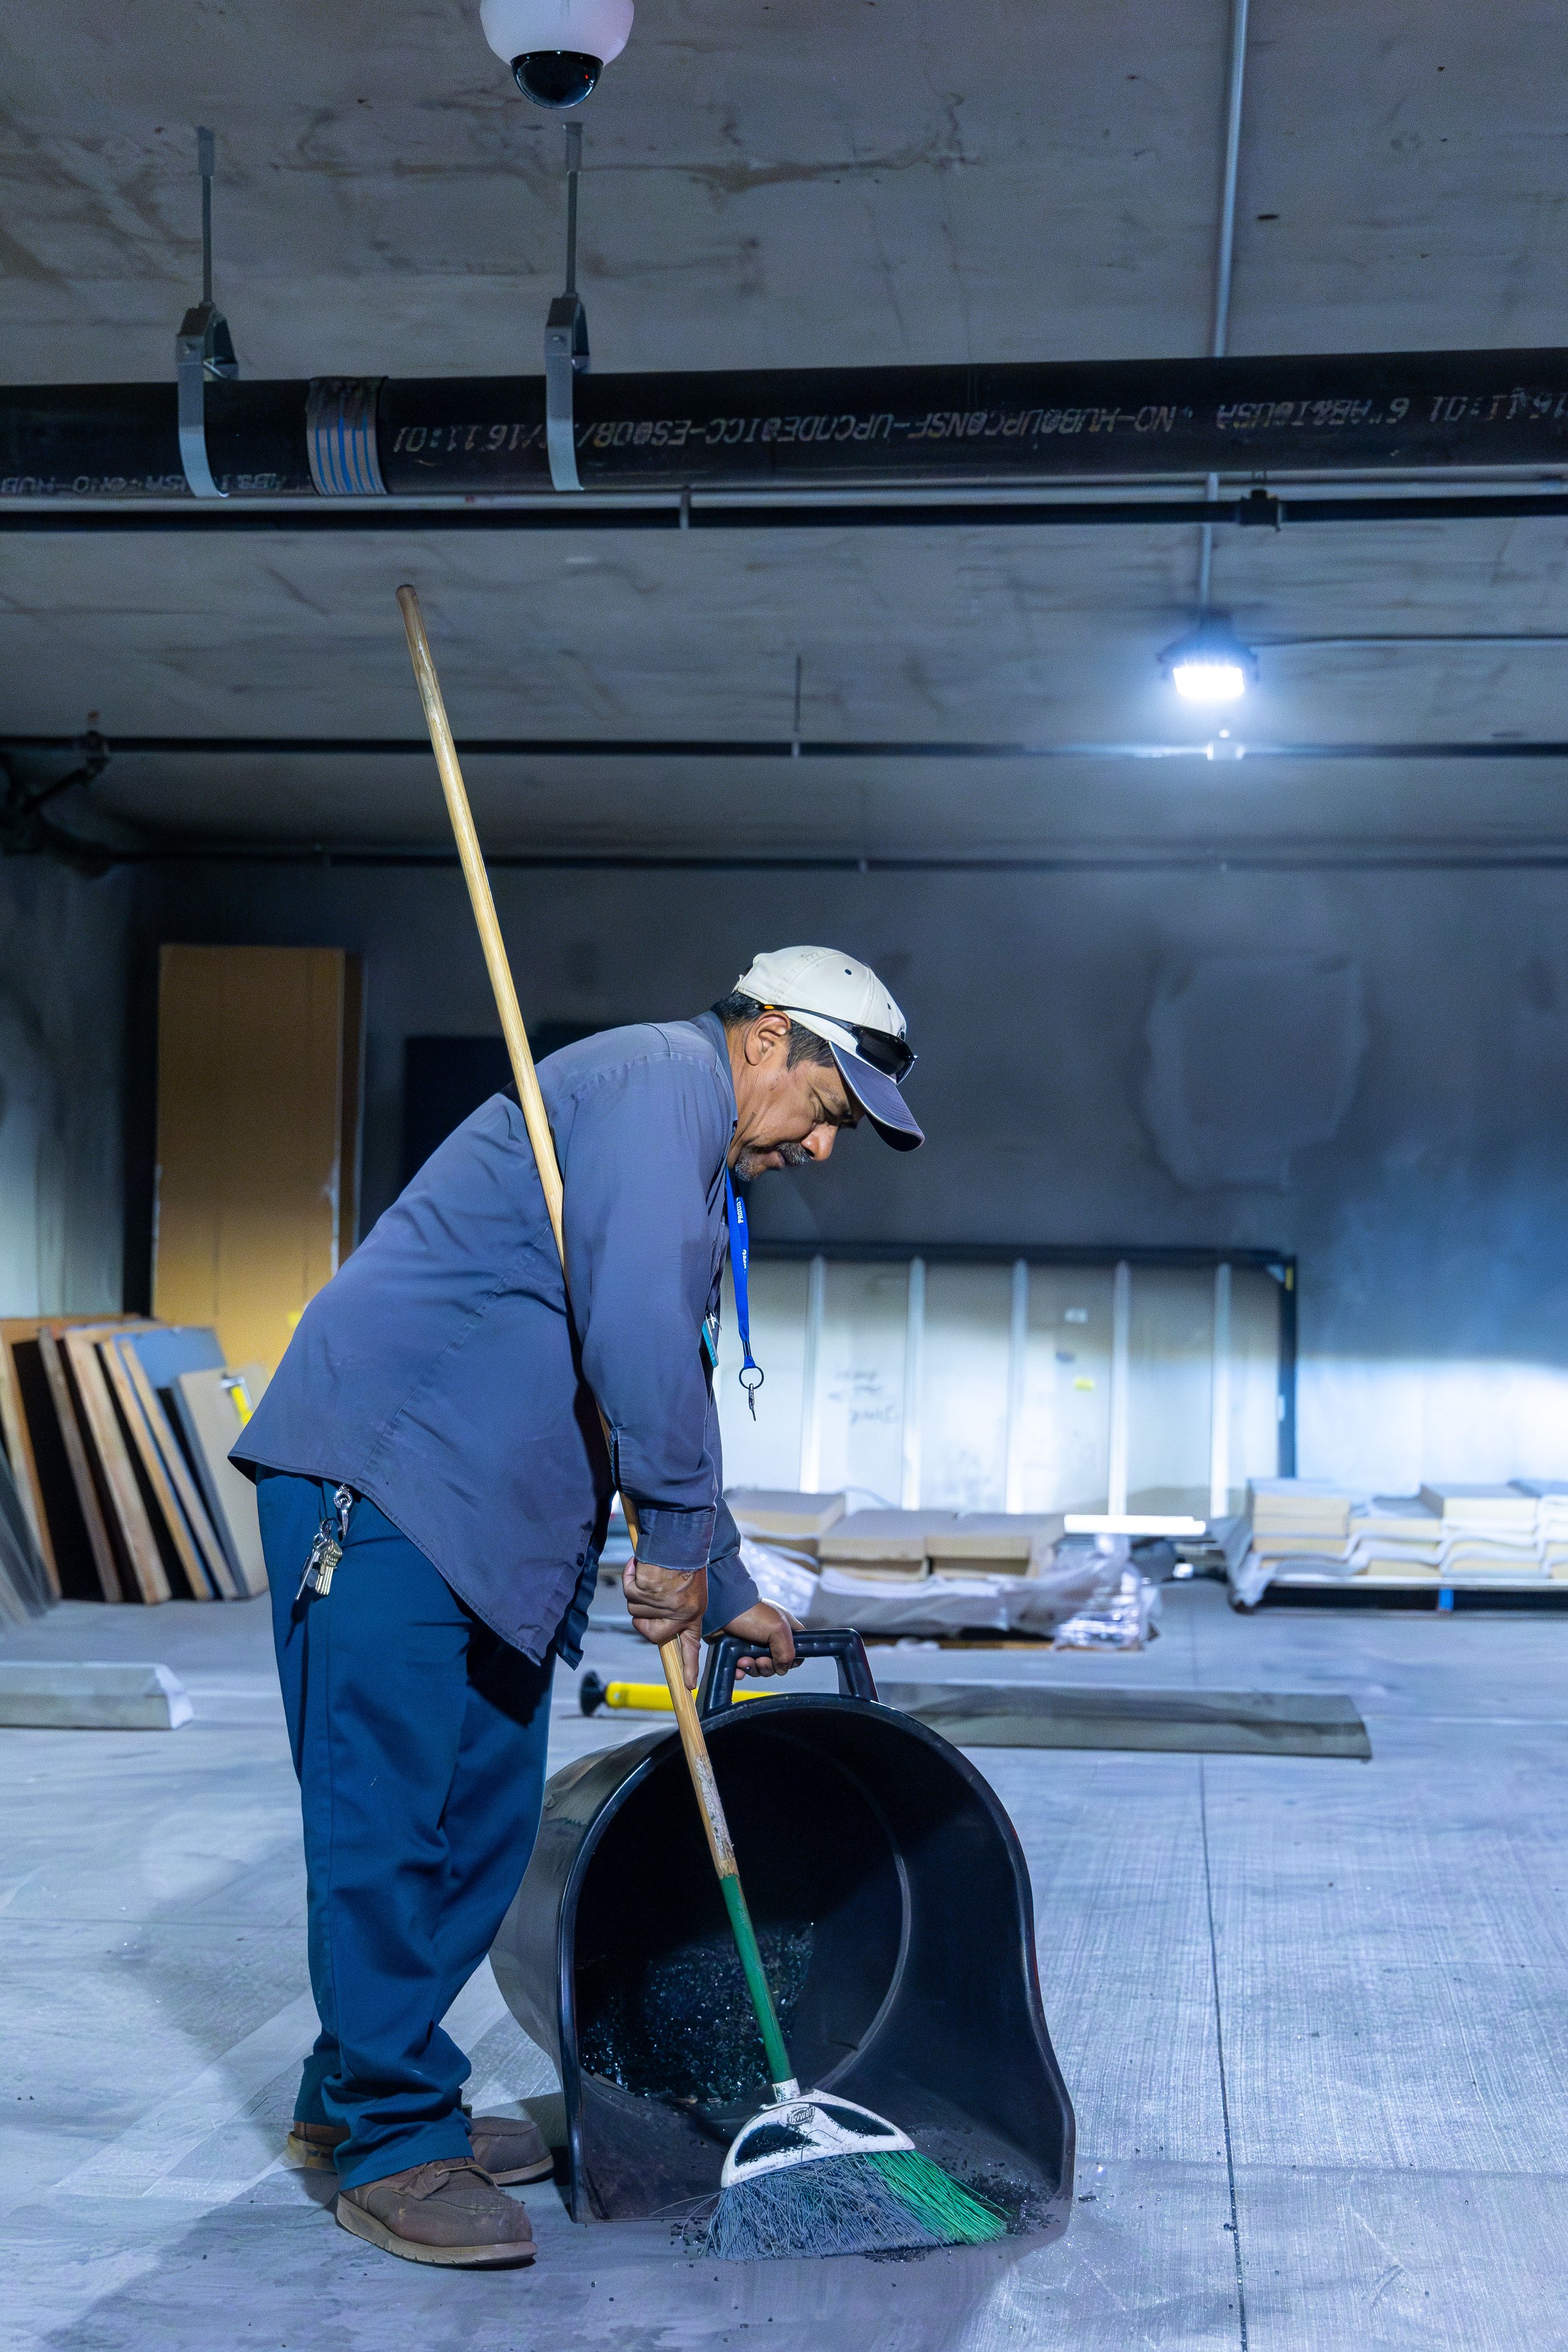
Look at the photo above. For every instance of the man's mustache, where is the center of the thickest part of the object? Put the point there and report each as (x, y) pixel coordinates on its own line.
(753, 1157)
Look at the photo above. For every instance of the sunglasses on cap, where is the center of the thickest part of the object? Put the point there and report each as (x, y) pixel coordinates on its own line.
(891, 1055)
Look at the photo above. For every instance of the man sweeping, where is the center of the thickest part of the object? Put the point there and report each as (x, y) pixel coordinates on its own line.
(434, 1489)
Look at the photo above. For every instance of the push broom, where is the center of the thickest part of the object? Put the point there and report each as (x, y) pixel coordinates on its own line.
(813, 2174)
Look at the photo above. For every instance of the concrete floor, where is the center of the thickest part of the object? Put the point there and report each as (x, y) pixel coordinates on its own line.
(1313, 2016)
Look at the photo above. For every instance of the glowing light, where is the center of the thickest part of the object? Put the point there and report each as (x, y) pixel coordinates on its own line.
(1211, 664)
(1209, 681)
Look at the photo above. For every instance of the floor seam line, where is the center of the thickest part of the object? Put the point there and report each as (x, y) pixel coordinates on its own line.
(1220, 2053)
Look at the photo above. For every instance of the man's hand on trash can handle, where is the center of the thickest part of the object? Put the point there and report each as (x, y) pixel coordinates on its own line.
(666, 1601)
(763, 1622)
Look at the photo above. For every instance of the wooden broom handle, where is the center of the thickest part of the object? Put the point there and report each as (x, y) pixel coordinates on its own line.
(543, 1144)
(484, 907)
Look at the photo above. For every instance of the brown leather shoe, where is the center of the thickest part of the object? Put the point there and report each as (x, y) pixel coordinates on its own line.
(439, 2212)
(508, 2148)
(311, 2145)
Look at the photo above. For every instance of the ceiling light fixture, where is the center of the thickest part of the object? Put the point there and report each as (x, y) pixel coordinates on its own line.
(1210, 664)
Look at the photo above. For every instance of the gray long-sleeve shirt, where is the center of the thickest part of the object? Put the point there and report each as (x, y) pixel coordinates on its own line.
(441, 1373)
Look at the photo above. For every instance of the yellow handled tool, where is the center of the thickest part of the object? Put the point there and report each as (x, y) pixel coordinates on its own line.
(642, 1698)
(538, 1124)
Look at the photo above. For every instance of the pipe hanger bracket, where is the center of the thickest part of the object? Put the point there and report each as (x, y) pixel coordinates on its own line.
(565, 341)
(203, 349)
(565, 358)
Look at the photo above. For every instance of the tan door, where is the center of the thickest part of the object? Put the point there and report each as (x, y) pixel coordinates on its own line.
(258, 1092)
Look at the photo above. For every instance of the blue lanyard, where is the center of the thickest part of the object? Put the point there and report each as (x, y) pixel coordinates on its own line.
(739, 1270)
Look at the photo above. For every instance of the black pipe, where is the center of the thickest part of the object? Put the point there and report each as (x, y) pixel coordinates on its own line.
(1257, 509)
(1078, 420)
(759, 747)
(1184, 857)
(576, 514)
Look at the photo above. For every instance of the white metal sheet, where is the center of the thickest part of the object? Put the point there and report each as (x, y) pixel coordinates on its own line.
(963, 1396)
(984, 1387)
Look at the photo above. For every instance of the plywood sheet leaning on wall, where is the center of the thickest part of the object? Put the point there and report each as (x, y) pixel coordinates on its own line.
(151, 1359)
(51, 1355)
(212, 1408)
(175, 1511)
(65, 1492)
(15, 1437)
(35, 1447)
(24, 1589)
(110, 1465)
(259, 1094)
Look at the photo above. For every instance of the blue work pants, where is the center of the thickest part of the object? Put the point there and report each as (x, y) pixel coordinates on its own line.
(420, 1740)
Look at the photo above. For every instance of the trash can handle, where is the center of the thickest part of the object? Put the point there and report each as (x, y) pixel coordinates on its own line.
(841, 1643)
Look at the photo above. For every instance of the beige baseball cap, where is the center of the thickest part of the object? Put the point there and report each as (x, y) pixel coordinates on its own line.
(844, 1002)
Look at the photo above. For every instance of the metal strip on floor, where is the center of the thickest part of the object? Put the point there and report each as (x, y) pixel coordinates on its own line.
(1206, 1723)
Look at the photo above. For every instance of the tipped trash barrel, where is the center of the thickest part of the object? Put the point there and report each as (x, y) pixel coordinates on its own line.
(894, 1914)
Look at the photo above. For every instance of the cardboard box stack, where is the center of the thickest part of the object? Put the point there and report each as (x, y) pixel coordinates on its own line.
(994, 1543)
(1487, 1531)
(1550, 1496)
(1396, 1535)
(1453, 1531)
(880, 1546)
(1303, 1520)
(776, 1515)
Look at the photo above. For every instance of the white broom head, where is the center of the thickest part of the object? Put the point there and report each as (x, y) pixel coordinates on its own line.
(803, 2131)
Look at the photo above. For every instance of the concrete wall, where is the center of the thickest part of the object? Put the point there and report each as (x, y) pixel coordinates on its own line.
(65, 962)
(1367, 1069)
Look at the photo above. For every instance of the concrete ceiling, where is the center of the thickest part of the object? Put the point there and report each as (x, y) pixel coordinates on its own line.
(830, 181)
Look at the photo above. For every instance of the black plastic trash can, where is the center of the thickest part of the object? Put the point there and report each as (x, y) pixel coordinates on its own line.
(894, 1908)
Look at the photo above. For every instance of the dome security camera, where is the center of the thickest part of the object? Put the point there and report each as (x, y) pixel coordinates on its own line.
(557, 48)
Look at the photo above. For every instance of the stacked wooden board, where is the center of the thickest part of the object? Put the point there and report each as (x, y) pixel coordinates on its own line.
(880, 1547)
(794, 1522)
(889, 1548)
(995, 1543)
(1303, 1521)
(1488, 1533)
(1550, 1499)
(1398, 1537)
(1451, 1534)
(116, 1430)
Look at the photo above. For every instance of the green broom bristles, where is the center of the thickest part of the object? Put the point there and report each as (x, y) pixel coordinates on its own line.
(954, 2214)
(893, 2203)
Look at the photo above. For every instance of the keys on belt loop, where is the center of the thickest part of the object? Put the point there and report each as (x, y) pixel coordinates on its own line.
(328, 1548)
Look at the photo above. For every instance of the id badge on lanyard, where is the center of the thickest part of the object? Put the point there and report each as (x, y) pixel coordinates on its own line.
(750, 1374)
